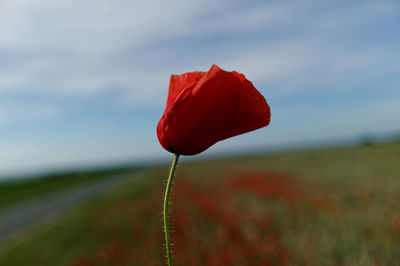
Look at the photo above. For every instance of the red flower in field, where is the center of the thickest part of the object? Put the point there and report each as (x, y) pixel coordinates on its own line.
(206, 107)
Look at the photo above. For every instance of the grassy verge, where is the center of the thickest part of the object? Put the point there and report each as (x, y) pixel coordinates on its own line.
(321, 207)
(81, 231)
(21, 190)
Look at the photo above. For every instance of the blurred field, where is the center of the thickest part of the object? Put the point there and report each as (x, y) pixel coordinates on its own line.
(321, 207)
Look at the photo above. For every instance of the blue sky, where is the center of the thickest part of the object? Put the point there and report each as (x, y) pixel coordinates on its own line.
(84, 82)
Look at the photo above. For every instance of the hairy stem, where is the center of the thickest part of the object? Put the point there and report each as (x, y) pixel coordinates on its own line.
(166, 202)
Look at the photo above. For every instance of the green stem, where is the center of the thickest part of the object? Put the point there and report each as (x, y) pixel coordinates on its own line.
(166, 201)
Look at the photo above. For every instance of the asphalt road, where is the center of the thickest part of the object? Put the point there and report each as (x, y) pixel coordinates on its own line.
(22, 217)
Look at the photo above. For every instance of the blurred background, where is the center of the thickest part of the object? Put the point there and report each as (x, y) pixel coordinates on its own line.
(84, 83)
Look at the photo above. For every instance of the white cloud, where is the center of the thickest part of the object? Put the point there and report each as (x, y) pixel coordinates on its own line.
(69, 47)
(66, 45)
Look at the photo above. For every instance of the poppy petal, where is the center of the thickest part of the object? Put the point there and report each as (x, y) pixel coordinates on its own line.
(206, 107)
(178, 83)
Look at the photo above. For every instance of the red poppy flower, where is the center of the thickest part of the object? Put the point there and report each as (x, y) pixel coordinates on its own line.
(206, 107)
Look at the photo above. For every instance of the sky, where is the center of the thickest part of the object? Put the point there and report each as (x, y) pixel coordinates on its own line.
(84, 83)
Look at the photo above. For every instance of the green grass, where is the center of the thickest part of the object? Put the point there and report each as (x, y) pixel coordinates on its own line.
(21, 190)
(323, 207)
